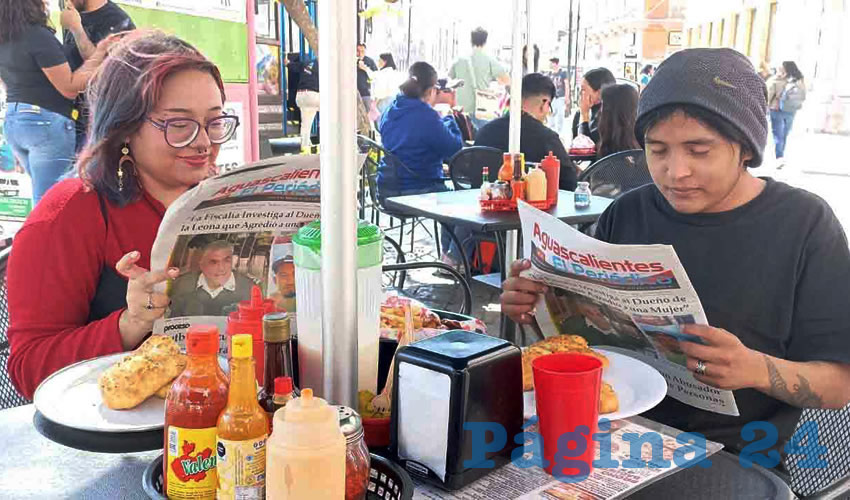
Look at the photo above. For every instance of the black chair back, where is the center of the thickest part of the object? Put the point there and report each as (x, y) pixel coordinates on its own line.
(9, 396)
(830, 429)
(393, 168)
(617, 173)
(466, 165)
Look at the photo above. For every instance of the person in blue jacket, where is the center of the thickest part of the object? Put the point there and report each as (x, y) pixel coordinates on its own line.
(420, 139)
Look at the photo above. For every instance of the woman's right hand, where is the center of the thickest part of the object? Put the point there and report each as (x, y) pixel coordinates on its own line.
(519, 295)
(144, 305)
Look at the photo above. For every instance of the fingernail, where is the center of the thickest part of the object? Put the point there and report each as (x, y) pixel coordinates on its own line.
(134, 254)
(173, 270)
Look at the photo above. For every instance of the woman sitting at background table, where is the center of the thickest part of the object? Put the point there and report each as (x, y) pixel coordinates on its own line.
(617, 120)
(157, 125)
(586, 119)
(415, 133)
(770, 262)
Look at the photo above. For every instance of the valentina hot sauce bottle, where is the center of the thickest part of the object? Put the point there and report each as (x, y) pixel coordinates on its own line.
(194, 403)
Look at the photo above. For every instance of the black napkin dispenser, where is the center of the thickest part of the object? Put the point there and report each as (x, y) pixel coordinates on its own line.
(442, 383)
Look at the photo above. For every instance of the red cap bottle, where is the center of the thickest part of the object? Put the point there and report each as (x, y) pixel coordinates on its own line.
(552, 167)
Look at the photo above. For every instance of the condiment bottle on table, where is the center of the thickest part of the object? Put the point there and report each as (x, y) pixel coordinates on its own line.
(306, 452)
(518, 184)
(551, 166)
(357, 459)
(194, 403)
(535, 185)
(242, 430)
(506, 173)
(278, 357)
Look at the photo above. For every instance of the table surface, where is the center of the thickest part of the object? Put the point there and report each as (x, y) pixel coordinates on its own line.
(40, 468)
(461, 208)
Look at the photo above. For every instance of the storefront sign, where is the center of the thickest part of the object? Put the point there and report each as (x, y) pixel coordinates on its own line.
(225, 10)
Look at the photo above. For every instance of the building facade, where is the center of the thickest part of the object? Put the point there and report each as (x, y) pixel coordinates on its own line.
(808, 32)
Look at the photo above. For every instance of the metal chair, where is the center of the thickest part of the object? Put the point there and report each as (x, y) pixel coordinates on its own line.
(465, 306)
(368, 179)
(466, 165)
(9, 396)
(617, 173)
(832, 428)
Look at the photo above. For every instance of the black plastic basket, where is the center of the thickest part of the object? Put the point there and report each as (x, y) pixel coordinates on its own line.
(387, 481)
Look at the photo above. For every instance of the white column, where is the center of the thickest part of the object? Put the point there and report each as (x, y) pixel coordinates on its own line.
(337, 71)
(516, 110)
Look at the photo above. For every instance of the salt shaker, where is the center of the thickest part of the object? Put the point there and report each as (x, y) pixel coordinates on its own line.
(582, 195)
(357, 460)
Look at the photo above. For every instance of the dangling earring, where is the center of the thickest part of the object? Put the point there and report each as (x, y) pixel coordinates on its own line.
(125, 160)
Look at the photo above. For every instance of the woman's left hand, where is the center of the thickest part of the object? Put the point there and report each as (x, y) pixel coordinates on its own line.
(729, 364)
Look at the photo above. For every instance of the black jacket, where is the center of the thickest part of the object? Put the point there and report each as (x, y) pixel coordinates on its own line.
(589, 129)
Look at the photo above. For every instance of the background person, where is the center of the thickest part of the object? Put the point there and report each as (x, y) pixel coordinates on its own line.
(586, 119)
(86, 23)
(560, 108)
(778, 334)
(477, 70)
(211, 289)
(617, 120)
(82, 290)
(536, 139)
(40, 89)
(785, 95)
(308, 101)
(646, 75)
(418, 136)
(365, 67)
(385, 82)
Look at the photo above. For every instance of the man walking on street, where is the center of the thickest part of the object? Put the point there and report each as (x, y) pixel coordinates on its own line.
(559, 104)
(86, 23)
(477, 71)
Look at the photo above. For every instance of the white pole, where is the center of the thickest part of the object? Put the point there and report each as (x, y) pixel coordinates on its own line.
(528, 40)
(516, 111)
(337, 38)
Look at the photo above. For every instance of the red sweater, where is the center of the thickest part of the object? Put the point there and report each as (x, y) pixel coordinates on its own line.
(53, 273)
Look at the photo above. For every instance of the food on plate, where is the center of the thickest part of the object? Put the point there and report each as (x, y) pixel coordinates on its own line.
(162, 393)
(608, 402)
(425, 322)
(138, 376)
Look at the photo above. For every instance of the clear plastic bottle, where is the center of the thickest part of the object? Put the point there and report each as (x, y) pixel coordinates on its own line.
(582, 195)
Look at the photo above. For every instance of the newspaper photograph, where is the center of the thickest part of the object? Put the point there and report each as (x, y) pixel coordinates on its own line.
(231, 234)
(632, 299)
(533, 483)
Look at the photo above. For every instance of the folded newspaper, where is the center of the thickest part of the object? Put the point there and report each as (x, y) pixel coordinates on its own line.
(634, 299)
(231, 233)
(513, 482)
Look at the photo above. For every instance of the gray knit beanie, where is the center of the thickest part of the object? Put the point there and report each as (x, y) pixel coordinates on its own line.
(722, 81)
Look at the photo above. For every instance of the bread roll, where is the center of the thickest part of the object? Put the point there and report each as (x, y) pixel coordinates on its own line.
(138, 376)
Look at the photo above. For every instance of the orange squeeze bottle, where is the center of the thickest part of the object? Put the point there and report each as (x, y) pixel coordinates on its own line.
(506, 173)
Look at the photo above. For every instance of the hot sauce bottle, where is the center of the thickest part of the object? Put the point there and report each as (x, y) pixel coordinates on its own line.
(194, 403)
(242, 430)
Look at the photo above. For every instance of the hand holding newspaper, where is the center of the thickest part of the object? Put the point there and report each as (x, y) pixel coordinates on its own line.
(633, 299)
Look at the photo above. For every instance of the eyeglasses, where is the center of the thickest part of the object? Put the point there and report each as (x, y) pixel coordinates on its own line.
(180, 132)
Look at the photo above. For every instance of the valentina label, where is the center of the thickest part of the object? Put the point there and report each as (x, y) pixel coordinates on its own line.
(193, 467)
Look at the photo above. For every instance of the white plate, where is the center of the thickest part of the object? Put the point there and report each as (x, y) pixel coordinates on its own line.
(639, 387)
(71, 397)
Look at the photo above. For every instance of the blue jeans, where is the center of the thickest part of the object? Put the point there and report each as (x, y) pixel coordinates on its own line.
(42, 141)
(448, 246)
(780, 122)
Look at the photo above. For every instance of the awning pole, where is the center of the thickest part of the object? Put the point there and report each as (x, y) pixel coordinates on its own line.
(337, 36)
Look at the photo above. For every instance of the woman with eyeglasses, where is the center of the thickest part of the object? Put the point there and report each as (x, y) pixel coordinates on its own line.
(78, 278)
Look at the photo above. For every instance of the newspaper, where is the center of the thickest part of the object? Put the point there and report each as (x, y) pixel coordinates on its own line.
(603, 483)
(633, 298)
(231, 233)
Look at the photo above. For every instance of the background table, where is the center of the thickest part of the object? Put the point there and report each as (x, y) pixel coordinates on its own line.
(34, 467)
(461, 208)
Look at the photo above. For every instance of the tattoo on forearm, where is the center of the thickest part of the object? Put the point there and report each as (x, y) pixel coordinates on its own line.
(801, 395)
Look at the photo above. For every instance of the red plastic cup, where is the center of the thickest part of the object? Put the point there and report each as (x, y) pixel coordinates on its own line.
(566, 389)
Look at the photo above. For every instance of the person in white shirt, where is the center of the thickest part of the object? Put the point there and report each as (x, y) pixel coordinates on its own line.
(386, 82)
(213, 289)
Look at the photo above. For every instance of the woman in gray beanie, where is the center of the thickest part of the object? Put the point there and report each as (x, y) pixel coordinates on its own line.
(770, 262)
